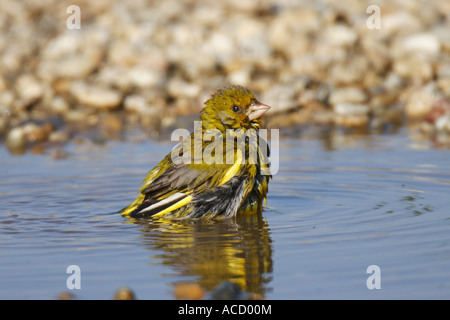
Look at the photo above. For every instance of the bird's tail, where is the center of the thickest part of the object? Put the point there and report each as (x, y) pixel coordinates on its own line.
(127, 211)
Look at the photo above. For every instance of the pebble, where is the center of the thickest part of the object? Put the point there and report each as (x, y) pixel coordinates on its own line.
(35, 133)
(29, 89)
(65, 296)
(281, 98)
(251, 40)
(439, 115)
(179, 88)
(124, 294)
(226, 290)
(419, 102)
(143, 77)
(241, 76)
(138, 104)
(72, 67)
(421, 43)
(96, 96)
(349, 72)
(344, 108)
(351, 114)
(59, 105)
(5, 114)
(59, 136)
(347, 95)
(416, 68)
(189, 291)
(71, 54)
(4, 123)
(443, 123)
(401, 21)
(444, 86)
(16, 140)
(340, 35)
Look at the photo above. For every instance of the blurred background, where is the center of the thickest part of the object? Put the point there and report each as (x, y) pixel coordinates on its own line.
(137, 69)
(360, 91)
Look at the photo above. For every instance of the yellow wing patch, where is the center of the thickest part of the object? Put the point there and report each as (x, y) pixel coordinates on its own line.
(233, 170)
(175, 206)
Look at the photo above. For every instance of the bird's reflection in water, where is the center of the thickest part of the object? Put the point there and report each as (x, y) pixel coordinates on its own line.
(238, 250)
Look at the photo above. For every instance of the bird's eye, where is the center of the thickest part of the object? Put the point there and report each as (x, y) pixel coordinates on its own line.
(236, 108)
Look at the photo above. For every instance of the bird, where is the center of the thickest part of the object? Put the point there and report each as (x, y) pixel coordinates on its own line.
(220, 170)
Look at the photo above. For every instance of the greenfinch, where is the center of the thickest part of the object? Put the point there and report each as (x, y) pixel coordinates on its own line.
(220, 170)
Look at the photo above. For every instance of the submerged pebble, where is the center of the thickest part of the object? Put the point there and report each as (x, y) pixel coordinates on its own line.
(124, 294)
(189, 291)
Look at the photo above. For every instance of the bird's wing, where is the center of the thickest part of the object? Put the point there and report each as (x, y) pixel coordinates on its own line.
(171, 185)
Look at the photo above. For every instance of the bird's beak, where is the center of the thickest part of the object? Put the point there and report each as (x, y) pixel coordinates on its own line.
(257, 109)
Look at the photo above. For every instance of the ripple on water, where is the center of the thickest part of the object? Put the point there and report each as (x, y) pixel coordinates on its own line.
(331, 213)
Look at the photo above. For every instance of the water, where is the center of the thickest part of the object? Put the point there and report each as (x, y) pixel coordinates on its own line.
(336, 207)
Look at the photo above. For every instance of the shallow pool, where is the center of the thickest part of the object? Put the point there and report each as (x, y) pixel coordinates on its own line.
(336, 207)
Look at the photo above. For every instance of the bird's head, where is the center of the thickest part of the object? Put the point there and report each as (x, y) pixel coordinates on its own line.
(232, 107)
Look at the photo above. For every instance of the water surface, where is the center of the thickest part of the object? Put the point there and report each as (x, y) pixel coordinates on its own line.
(335, 207)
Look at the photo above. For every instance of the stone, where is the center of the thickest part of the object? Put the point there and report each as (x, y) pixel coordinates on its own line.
(339, 35)
(16, 139)
(96, 96)
(280, 98)
(35, 133)
(421, 42)
(351, 114)
(28, 87)
(347, 95)
(124, 294)
(179, 88)
(189, 291)
(137, 103)
(419, 102)
(415, 68)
